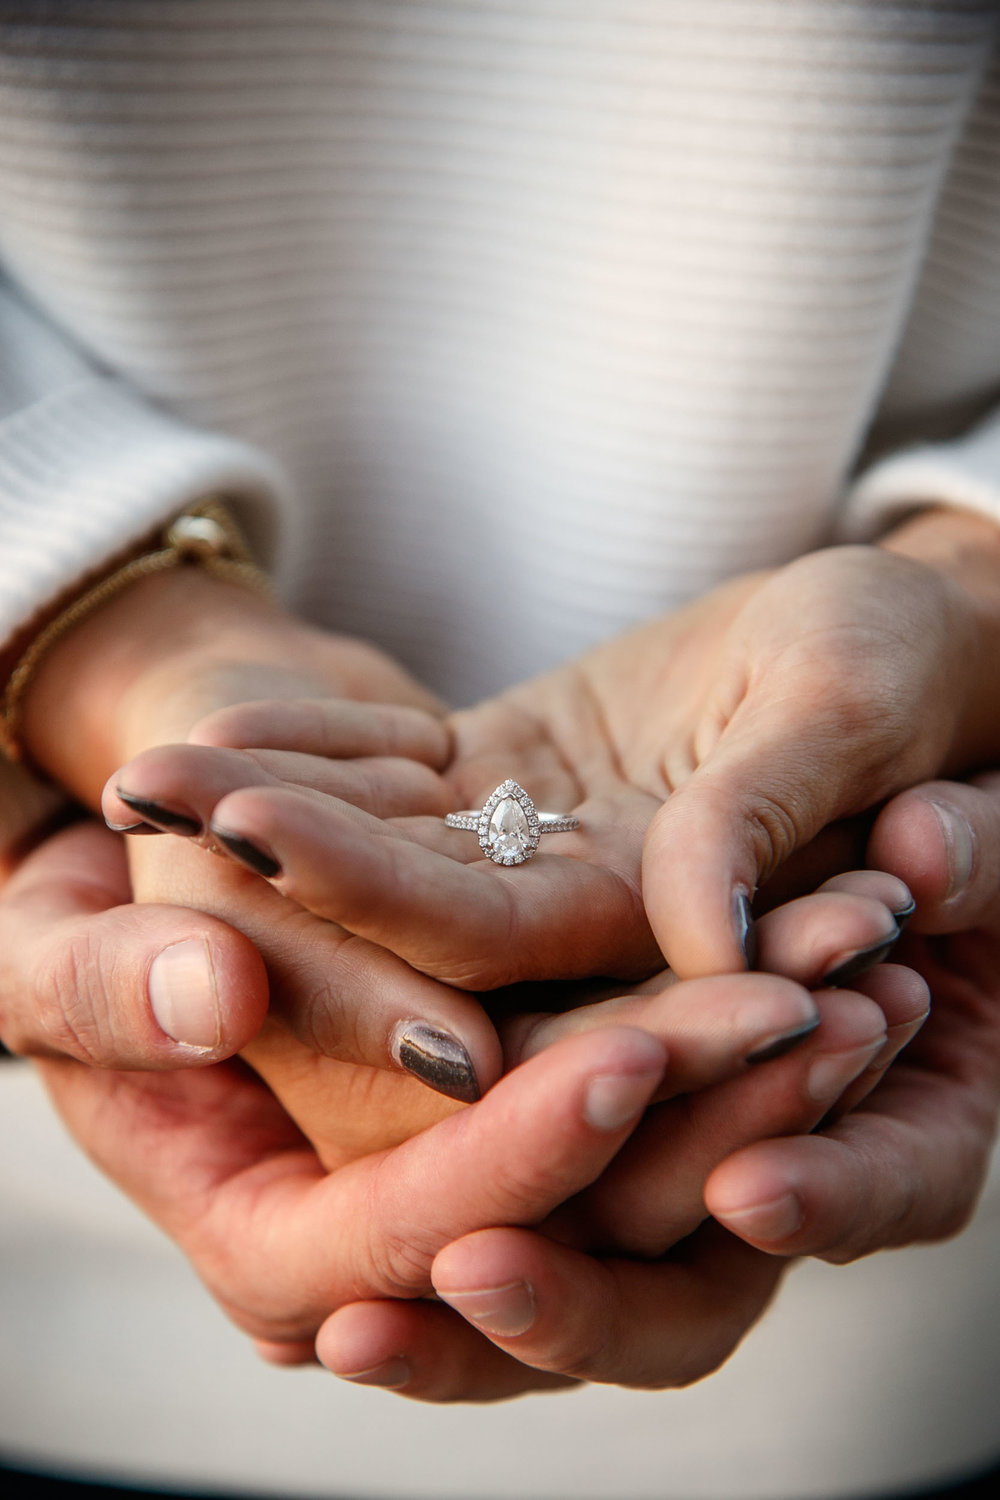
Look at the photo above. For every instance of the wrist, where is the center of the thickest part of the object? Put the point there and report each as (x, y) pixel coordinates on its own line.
(958, 544)
(168, 650)
(963, 548)
(134, 673)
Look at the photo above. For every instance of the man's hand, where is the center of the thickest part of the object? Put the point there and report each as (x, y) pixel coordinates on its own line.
(837, 682)
(906, 1166)
(909, 1165)
(215, 1159)
(86, 975)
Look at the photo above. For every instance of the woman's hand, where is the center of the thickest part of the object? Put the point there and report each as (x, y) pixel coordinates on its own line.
(726, 736)
(818, 940)
(147, 666)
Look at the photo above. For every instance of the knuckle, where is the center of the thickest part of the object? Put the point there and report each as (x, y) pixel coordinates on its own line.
(324, 1002)
(398, 1256)
(320, 1021)
(400, 1265)
(774, 832)
(70, 1011)
(79, 1010)
(919, 1206)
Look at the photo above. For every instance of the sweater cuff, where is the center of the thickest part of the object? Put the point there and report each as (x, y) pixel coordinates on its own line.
(92, 469)
(964, 473)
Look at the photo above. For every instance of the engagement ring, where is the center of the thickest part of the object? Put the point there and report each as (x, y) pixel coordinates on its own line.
(508, 824)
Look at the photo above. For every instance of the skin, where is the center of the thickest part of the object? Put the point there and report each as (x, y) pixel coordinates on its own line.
(136, 702)
(806, 689)
(214, 1159)
(700, 753)
(216, 1181)
(806, 940)
(904, 1167)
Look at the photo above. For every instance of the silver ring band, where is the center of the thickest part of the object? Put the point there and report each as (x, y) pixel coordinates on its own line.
(548, 822)
(509, 825)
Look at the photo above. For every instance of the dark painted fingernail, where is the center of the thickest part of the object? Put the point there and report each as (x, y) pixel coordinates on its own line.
(437, 1058)
(787, 1042)
(262, 861)
(746, 931)
(164, 817)
(904, 914)
(859, 963)
(133, 828)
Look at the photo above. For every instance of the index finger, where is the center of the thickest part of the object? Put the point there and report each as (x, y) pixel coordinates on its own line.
(331, 727)
(943, 839)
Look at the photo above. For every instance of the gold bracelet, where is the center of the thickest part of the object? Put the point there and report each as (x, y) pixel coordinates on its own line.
(206, 535)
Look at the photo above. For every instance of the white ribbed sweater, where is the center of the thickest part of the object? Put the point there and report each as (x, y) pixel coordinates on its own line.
(523, 319)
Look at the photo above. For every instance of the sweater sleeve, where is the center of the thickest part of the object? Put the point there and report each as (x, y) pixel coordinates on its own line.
(88, 466)
(963, 472)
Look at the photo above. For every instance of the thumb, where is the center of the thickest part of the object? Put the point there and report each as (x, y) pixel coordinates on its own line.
(86, 974)
(780, 773)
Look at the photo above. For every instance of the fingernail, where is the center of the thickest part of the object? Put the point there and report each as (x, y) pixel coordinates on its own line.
(437, 1058)
(859, 962)
(905, 913)
(505, 1311)
(260, 860)
(771, 1221)
(391, 1374)
(132, 828)
(184, 823)
(785, 1041)
(613, 1099)
(183, 994)
(830, 1075)
(746, 930)
(960, 847)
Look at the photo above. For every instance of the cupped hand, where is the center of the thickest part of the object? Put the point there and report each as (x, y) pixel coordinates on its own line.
(905, 1166)
(145, 668)
(214, 1159)
(293, 796)
(556, 1301)
(725, 737)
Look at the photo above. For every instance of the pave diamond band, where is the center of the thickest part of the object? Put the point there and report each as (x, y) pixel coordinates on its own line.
(548, 822)
(509, 825)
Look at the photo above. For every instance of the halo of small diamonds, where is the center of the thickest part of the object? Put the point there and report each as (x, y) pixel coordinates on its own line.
(509, 828)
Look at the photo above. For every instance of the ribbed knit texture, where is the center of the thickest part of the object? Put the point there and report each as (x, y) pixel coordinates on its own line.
(552, 314)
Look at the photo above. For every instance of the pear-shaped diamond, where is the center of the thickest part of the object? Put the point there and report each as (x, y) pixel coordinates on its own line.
(509, 835)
